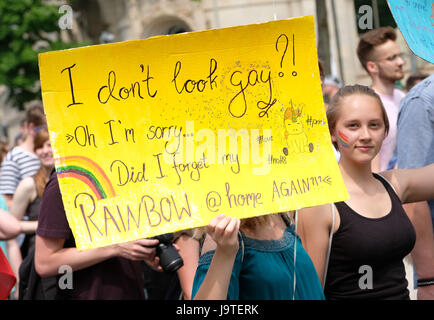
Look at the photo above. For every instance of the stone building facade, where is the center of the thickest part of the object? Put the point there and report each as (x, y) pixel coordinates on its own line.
(103, 21)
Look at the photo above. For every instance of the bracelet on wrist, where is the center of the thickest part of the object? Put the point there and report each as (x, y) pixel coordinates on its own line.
(425, 282)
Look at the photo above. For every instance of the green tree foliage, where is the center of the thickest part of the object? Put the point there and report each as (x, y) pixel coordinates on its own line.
(27, 28)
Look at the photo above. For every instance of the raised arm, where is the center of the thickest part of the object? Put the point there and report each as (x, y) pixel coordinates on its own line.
(413, 185)
(314, 230)
(189, 251)
(224, 232)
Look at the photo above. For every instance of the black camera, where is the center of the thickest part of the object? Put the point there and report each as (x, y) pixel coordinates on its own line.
(170, 260)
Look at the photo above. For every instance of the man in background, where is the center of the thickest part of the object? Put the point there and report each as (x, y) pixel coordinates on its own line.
(380, 56)
(415, 149)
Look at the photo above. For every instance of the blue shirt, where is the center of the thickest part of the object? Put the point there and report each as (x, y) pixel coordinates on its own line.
(266, 271)
(415, 145)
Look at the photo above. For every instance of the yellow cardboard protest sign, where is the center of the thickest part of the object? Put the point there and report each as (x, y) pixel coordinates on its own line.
(160, 135)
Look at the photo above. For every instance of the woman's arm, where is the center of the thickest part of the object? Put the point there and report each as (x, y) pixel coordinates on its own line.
(314, 230)
(413, 185)
(9, 226)
(50, 254)
(24, 194)
(189, 251)
(224, 232)
(29, 226)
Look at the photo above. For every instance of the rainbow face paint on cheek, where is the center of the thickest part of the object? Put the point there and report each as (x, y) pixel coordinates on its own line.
(343, 139)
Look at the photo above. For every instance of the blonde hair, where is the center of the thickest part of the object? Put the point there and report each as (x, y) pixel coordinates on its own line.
(347, 91)
(248, 223)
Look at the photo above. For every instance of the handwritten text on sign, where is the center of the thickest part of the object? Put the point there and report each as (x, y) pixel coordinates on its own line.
(159, 135)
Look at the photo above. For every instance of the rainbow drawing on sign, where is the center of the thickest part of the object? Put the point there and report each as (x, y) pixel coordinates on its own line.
(87, 171)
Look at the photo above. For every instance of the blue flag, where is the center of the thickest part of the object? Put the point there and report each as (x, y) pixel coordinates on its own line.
(415, 19)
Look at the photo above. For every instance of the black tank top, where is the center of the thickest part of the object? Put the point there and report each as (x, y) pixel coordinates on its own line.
(366, 257)
(32, 214)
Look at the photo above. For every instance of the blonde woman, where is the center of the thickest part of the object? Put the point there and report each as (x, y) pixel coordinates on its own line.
(256, 263)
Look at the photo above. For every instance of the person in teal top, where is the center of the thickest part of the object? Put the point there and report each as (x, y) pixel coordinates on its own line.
(4, 207)
(255, 264)
(11, 221)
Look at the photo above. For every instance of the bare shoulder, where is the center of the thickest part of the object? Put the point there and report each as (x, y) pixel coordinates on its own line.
(318, 214)
(398, 178)
(413, 185)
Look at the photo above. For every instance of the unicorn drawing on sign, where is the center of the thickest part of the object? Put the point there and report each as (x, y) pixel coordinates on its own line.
(295, 134)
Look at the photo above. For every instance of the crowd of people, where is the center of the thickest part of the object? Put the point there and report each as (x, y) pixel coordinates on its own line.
(314, 253)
